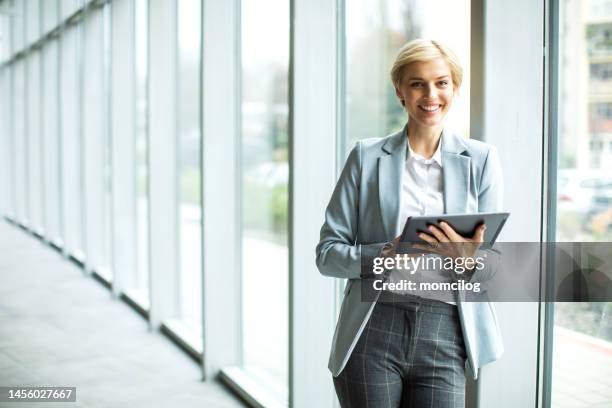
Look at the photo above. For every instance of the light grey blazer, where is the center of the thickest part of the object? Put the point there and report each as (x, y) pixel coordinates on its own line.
(363, 214)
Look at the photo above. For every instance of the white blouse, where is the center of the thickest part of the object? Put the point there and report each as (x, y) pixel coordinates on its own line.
(422, 194)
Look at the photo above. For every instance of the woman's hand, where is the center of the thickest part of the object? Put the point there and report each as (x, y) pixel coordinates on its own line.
(446, 242)
(389, 251)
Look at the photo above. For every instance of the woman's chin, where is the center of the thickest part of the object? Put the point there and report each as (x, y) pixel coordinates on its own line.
(429, 122)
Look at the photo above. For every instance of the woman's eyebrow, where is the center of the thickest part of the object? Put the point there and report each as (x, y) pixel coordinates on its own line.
(421, 79)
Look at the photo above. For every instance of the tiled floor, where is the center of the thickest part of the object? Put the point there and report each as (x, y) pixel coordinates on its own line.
(61, 328)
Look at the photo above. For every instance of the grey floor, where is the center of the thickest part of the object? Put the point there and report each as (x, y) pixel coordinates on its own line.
(61, 328)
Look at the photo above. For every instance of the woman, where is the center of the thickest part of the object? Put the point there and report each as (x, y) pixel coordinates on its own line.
(397, 349)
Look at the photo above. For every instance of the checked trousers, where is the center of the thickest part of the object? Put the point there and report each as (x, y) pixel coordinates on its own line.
(410, 354)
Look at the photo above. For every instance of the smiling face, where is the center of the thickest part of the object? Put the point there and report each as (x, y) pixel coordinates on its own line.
(427, 90)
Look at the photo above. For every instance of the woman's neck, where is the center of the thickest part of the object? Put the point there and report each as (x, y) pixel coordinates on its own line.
(424, 139)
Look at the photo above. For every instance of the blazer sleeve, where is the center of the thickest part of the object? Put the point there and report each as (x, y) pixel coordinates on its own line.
(338, 253)
(490, 199)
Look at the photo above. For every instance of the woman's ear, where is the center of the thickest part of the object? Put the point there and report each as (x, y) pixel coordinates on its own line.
(399, 95)
(397, 92)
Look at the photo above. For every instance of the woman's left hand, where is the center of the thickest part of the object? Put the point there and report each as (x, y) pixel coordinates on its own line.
(445, 241)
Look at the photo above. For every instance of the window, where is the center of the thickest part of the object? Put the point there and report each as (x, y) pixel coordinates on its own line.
(582, 340)
(265, 175)
(375, 30)
(141, 290)
(95, 144)
(189, 165)
(601, 71)
(51, 135)
(604, 110)
(599, 39)
(71, 144)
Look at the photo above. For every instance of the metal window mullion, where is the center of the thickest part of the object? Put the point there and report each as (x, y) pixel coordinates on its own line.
(551, 134)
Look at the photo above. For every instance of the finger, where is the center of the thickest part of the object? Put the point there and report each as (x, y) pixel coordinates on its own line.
(428, 238)
(450, 232)
(479, 235)
(438, 233)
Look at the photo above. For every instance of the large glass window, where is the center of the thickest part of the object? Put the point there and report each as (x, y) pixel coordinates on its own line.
(189, 165)
(19, 142)
(582, 347)
(265, 171)
(142, 149)
(375, 30)
(50, 126)
(34, 141)
(6, 178)
(32, 127)
(71, 144)
(95, 143)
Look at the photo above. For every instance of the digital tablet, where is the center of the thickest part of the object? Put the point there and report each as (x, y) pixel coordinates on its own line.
(464, 224)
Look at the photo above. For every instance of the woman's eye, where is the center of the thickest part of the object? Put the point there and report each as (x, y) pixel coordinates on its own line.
(443, 83)
(416, 84)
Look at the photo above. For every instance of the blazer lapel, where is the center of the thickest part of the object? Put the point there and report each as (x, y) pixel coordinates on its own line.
(456, 174)
(390, 170)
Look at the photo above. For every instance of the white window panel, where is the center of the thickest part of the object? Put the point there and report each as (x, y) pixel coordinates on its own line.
(162, 162)
(94, 141)
(6, 177)
(123, 145)
(189, 163)
(34, 140)
(71, 145)
(20, 142)
(51, 141)
(265, 201)
(140, 154)
(221, 236)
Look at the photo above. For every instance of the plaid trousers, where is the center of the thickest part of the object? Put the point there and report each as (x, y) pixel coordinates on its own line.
(410, 354)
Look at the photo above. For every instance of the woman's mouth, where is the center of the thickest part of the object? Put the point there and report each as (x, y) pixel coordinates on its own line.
(430, 108)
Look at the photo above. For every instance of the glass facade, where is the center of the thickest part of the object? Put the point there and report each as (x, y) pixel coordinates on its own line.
(80, 160)
(264, 189)
(582, 343)
(189, 163)
(141, 158)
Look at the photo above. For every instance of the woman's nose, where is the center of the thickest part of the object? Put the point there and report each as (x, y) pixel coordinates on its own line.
(431, 92)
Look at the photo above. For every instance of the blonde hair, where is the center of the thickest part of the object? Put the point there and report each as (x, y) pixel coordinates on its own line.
(422, 51)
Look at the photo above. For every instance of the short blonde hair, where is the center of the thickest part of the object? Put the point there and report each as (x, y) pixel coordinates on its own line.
(422, 51)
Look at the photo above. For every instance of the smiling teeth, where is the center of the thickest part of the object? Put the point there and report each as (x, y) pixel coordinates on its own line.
(430, 108)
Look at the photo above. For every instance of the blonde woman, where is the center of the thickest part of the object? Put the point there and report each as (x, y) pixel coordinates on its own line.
(399, 349)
